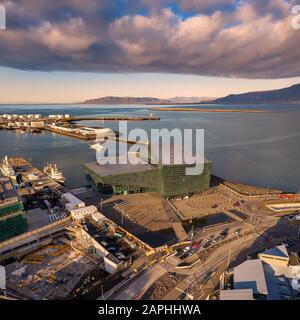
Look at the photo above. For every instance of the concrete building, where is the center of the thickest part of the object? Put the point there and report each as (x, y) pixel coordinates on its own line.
(37, 124)
(72, 202)
(89, 236)
(81, 213)
(277, 256)
(238, 294)
(269, 277)
(250, 275)
(98, 217)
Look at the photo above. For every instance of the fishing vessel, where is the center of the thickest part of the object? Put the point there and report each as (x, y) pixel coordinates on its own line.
(6, 169)
(54, 173)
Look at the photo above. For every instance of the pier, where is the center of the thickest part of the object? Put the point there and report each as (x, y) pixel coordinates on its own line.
(113, 118)
(73, 134)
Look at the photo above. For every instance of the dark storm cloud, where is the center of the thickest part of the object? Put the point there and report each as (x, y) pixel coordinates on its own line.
(218, 37)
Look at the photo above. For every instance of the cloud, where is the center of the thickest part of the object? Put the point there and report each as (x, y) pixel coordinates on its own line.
(217, 38)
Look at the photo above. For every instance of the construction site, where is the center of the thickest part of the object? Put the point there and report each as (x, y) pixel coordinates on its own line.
(50, 273)
(51, 262)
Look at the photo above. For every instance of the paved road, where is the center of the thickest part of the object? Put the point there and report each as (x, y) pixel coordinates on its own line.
(263, 232)
(204, 276)
(201, 272)
(140, 284)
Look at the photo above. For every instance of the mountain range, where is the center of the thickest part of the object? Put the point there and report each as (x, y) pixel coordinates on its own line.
(126, 100)
(146, 100)
(285, 95)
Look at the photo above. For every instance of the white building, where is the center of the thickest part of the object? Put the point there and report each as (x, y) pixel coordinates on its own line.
(72, 202)
(98, 217)
(238, 294)
(82, 213)
(250, 275)
(275, 256)
(37, 124)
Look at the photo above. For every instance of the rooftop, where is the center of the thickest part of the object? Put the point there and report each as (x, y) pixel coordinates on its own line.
(7, 192)
(279, 280)
(278, 251)
(113, 169)
(238, 294)
(250, 275)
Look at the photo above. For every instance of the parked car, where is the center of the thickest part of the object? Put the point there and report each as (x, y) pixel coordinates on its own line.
(207, 244)
(219, 238)
(224, 233)
(186, 249)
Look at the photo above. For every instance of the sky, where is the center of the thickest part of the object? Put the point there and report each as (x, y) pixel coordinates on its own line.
(73, 50)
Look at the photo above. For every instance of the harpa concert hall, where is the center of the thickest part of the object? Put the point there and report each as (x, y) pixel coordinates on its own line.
(167, 179)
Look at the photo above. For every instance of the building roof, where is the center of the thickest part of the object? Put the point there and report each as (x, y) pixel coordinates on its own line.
(114, 169)
(97, 216)
(279, 280)
(7, 192)
(294, 259)
(237, 294)
(250, 275)
(278, 251)
(72, 199)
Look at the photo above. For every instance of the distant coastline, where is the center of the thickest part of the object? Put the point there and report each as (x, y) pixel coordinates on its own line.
(208, 110)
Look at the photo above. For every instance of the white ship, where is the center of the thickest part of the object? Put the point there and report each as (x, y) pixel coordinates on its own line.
(97, 146)
(6, 169)
(54, 173)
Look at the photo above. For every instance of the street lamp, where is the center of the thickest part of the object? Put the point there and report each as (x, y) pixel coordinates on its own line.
(186, 293)
(102, 292)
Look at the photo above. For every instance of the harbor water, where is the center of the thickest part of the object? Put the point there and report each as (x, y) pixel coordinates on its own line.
(261, 149)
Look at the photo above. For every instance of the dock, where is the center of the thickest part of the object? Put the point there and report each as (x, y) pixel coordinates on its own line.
(38, 179)
(113, 118)
(72, 134)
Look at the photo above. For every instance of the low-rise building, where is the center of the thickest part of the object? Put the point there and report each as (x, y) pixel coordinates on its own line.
(238, 294)
(269, 277)
(275, 256)
(250, 275)
(37, 124)
(72, 202)
(81, 213)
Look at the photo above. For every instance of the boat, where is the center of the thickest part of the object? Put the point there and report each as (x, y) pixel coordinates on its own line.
(54, 173)
(6, 169)
(97, 146)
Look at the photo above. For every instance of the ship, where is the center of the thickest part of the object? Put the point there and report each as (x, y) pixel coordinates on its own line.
(97, 146)
(54, 173)
(6, 169)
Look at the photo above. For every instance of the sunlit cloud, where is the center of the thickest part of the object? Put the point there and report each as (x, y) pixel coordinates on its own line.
(216, 38)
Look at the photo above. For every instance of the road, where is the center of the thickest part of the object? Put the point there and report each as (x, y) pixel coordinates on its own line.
(259, 232)
(219, 260)
(140, 284)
